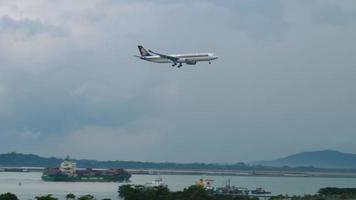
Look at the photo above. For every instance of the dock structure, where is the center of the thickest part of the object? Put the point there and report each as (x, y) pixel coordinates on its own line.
(21, 169)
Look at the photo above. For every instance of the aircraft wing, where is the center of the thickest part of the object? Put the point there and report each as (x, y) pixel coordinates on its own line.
(172, 58)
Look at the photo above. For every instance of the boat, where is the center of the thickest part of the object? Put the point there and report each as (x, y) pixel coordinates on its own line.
(228, 189)
(259, 191)
(158, 182)
(68, 172)
(205, 183)
(231, 190)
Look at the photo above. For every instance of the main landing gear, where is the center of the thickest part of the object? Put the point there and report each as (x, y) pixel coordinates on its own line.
(209, 62)
(179, 66)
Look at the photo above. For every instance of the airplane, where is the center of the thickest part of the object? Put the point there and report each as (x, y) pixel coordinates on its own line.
(177, 59)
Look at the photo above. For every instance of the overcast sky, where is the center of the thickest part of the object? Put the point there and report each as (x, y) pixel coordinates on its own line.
(285, 80)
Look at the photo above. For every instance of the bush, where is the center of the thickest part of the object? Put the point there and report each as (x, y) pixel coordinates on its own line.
(70, 196)
(47, 197)
(333, 191)
(139, 192)
(86, 197)
(8, 196)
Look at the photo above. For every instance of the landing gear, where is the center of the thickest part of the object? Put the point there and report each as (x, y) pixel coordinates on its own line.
(209, 62)
(179, 65)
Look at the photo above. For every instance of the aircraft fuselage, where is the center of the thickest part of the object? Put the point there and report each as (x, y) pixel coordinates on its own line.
(183, 58)
(177, 59)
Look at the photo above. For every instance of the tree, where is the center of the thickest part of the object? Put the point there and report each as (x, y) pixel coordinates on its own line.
(8, 196)
(125, 190)
(195, 192)
(86, 197)
(160, 193)
(47, 197)
(70, 196)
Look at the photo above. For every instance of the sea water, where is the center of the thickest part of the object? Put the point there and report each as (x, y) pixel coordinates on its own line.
(29, 185)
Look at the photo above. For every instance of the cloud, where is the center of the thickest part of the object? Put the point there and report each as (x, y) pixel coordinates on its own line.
(335, 13)
(140, 138)
(28, 43)
(28, 135)
(27, 27)
(263, 21)
(284, 79)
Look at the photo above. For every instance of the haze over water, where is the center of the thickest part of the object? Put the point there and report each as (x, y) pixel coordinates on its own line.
(32, 185)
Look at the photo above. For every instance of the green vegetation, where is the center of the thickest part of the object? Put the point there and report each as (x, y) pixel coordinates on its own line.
(87, 197)
(47, 197)
(328, 193)
(305, 197)
(340, 193)
(70, 196)
(139, 192)
(8, 196)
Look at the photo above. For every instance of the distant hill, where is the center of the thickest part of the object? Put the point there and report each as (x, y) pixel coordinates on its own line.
(318, 159)
(307, 161)
(27, 160)
(30, 160)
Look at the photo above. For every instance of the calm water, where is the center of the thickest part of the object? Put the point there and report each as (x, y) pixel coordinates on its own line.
(31, 184)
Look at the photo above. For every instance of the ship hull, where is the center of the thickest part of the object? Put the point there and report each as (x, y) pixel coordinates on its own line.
(84, 178)
(67, 172)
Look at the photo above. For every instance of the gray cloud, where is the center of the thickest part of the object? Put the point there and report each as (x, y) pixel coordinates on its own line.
(28, 27)
(283, 82)
(334, 13)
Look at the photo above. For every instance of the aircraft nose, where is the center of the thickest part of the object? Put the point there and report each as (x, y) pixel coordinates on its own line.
(213, 56)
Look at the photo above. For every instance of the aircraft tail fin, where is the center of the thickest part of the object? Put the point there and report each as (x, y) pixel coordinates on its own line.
(143, 51)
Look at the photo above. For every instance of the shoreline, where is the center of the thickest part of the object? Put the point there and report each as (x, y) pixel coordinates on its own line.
(252, 173)
(242, 173)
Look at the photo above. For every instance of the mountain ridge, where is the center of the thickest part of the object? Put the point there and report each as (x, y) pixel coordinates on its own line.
(319, 159)
(305, 161)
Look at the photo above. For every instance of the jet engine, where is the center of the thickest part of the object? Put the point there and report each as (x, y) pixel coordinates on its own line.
(181, 60)
(191, 62)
